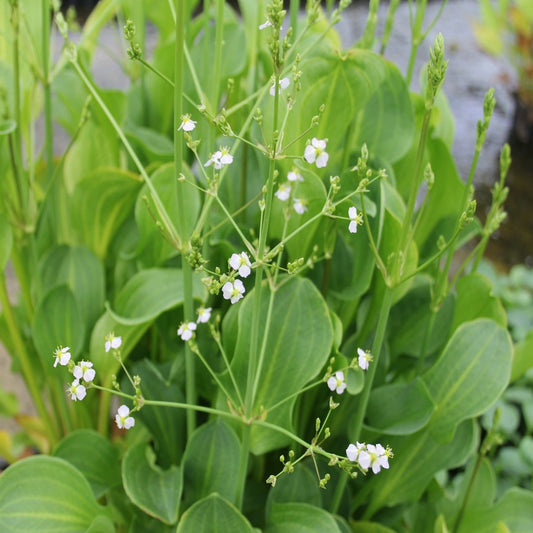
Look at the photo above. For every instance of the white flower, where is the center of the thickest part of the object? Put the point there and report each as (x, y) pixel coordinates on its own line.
(282, 84)
(300, 205)
(315, 152)
(214, 159)
(225, 157)
(186, 330)
(353, 451)
(283, 192)
(355, 219)
(375, 457)
(336, 382)
(204, 314)
(364, 358)
(233, 291)
(83, 370)
(76, 391)
(265, 24)
(112, 342)
(220, 158)
(241, 263)
(62, 356)
(187, 124)
(122, 419)
(294, 175)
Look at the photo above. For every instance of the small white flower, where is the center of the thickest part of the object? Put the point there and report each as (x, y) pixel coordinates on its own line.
(112, 342)
(83, 370)
(220, 158)
(315, 152)
(283, 84)
(204, 314)
(241, 263)
(233, 291)
(186, 329)
(122, 418)
(353, 451)
(76, 391)
(336, 382)
(375, 457)
(356, 219)
(283, 192)
(265, 24)
(225, 157)
(300, 205)
(294, 175)
(62, 356)
(187, 123)
(364, 358)
(214, 159)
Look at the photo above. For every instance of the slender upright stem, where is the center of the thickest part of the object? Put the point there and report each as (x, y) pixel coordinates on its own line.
(48, 130)
(190, 391)
(357, 423)
(23, 357)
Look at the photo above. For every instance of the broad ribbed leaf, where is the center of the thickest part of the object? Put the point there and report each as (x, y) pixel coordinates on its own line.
(513, 509)
(416, 459)
(94, 456)
(470, 375)
(157, 492)
(213, 515)
(101, 202)
(400, 408)
(301, 517)
(47, 495)
(82, 271)
(211, 462)
(299, 340)
(475, 300)
(58, 321)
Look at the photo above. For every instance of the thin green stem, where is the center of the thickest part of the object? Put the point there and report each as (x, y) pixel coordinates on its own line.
(48, 130)
(357, 422)
(166, 220)
(23, 356)
(468, 492)
(190, 379)
(228, 368)
(219, 34)
(425, 342)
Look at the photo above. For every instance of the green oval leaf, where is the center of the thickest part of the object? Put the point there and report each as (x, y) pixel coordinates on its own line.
(211, 462)
(298, 343)
(400, 408)
(102, 201)
(45, 495)
(94, 456)
(470, 375)
(300, 517)
(157, 492)
(57, 321)
(82, 271)
(213, 515)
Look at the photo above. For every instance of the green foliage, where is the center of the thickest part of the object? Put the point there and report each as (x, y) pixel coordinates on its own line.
(143, 227)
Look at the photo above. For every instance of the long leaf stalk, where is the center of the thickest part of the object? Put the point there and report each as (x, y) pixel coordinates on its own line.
(357, 424)
(48, 130)
(28, 369)
(188, 311)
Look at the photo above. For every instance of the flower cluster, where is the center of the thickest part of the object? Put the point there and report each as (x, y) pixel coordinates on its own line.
(284, 191)
(356, 219)
(187, 329)
(220, 158)
(282, 84)
(84, 375)
(372, 456)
